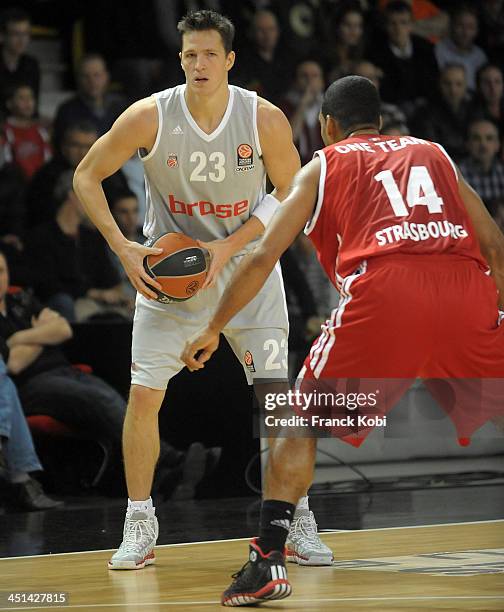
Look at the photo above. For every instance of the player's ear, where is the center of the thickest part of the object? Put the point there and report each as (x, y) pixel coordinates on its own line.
(230, 60)
(333, 129)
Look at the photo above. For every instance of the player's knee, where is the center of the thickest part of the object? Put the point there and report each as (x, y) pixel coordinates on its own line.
(144, 402)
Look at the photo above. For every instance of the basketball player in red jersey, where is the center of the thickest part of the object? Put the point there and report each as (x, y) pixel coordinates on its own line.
(406, 241)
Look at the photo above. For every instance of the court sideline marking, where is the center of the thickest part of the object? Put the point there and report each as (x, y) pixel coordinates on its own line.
(87, 552)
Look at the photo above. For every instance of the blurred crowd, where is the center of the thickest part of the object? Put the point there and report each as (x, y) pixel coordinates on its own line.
(437, 64)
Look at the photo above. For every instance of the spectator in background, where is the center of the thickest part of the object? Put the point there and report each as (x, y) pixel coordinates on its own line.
(93, 102)
(345, 41)
(459, 47)
(445, 120)
(264, 67)
(16, 66)
(430, 22)
(482, 169)
(491, 19)
(124, 208)
(302, 107)
(76, 275)
(30, 340)
(392, 116)
(489, 102)
(409, 66)
(17, 453)
(76, 141)
(25, 139)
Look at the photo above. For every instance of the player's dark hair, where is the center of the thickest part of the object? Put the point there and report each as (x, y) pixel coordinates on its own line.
(197, 21)
(12, 15)
(353, 101)
(397, 6)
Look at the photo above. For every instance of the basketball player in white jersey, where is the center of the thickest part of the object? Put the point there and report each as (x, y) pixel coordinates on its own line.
(206, 148)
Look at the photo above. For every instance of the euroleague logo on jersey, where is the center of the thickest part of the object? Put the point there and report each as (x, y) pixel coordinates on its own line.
(244, 158)
(172, 161)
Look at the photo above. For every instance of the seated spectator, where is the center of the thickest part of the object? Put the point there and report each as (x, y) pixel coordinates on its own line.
(392, 115)
(264, 67)
(345, 45)
(16, 66)
(124, 208)
(430, 21)
(409, 66)
(302, 107)
(459, 47)
(93, 102)
(18, 458)
(76, 141)
(445, 120)
(489, 102)
(30, 344)
(76, 275)
(482, 169)
(25, 139)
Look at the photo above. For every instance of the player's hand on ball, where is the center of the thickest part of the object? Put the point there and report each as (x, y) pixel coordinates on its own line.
(220, 253)
(199, 349)
(132, 255)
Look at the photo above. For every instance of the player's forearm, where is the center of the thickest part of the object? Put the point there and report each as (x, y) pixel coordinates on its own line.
(20, 357)
(249, 231)
(246, 282)
(90, 193)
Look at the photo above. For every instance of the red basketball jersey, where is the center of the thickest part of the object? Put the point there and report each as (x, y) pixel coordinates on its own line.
(380, 195)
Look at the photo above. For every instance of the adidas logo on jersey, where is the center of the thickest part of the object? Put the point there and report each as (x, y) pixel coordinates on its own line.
(177, 130)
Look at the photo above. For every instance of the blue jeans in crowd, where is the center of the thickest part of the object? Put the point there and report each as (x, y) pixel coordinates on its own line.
(19, 450)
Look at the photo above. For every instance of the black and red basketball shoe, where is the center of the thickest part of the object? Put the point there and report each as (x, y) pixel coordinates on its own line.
(262, 578)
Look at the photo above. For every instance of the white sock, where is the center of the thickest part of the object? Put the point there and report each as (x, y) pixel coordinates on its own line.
(141, 506)
(302, 506)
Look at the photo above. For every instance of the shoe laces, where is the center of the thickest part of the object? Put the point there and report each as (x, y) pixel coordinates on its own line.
(305, 527)
(239, 573)
(136, 532)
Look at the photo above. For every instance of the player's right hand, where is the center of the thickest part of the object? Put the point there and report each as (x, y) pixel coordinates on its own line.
(199, 349)
(132, 255)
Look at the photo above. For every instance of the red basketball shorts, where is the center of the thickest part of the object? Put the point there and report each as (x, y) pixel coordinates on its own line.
(405, 317)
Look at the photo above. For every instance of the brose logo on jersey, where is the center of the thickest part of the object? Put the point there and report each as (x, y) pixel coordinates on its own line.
(203, 207)
(244, 158)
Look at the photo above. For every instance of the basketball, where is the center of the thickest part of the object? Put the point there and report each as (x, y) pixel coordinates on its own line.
(180, 269)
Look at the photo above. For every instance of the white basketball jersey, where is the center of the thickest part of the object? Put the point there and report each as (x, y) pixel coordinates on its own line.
(204, 185)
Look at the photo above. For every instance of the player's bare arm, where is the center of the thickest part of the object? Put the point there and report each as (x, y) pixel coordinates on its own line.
(280, 156)
(135, 129)
(489, 235)
(252, 273)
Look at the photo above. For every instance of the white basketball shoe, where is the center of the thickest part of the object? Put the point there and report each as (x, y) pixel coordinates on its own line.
(139, 538)
(304, 545)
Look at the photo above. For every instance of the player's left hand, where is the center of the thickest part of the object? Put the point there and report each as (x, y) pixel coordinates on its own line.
(203, 344)
(220, 253)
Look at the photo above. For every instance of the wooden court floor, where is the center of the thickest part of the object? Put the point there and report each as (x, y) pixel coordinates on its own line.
(443, 567)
